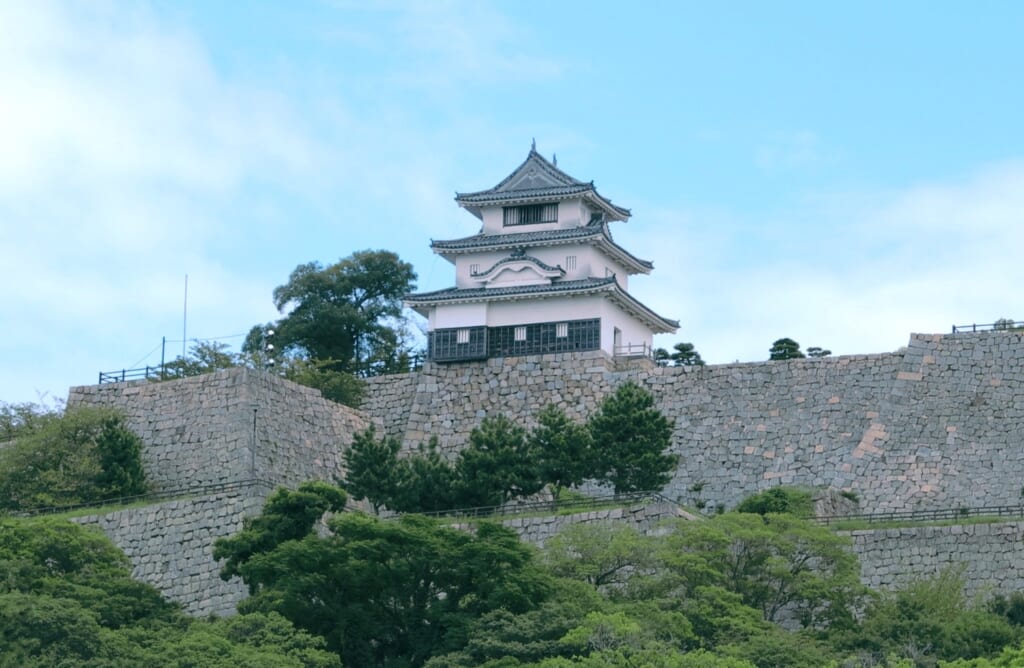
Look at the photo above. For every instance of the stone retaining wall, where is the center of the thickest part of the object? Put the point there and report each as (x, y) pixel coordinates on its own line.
(170, 546)
(918, 428)
(232, 425)
(991, 554)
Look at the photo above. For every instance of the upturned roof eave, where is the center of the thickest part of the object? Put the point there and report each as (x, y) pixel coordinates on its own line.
(502, 242)
(659, 325)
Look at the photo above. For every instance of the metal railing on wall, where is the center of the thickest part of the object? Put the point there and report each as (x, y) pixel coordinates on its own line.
(554, 506)
(998, 325)
(163, 495)
(932, 515)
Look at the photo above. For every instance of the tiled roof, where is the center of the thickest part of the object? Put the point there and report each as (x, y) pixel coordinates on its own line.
(537, 179)
(561, 288)
(517, 239)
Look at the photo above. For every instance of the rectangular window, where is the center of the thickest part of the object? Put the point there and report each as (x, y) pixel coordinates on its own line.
(531, 214)
(561, 330)
(570, 262)
(520, 334)
(474, 269)
(462, 336)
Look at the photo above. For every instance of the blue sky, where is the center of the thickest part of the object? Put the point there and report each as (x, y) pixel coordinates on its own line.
(842, 175)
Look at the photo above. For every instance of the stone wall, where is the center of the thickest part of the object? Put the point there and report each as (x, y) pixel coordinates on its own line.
(232, 425)
(918, 428)
(643, 517)
(990, 553)
(170, 546)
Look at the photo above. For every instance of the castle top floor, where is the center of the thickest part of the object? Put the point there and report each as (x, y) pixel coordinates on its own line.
(537, 196)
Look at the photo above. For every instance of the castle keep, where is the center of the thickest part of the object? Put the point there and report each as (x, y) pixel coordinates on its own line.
(543, 275)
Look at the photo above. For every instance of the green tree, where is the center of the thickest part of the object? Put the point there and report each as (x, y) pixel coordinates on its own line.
(785, 349)
(563, 450)
(426, 481)
(393, 592)
(371, 468)
(609, 557)
(24, 418)
(203, 357)
(686, 355)
(774, 562)
(287, 516)
(498, 465)
(630, 437)
(349, 312)
(84, 456)
(815, 352)
(781, 499)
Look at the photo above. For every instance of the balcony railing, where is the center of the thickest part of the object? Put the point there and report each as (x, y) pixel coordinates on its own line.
(635, 350)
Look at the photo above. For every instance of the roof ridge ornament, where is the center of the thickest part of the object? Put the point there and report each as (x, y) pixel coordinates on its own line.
(533, 143)
(554, 159)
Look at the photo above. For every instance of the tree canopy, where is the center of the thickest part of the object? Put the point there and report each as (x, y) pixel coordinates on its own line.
(349, 312)
(630, 437)
(85, 455)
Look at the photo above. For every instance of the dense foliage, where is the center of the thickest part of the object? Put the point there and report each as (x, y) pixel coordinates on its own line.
(332, 589)
(82, 456)
(67, 599)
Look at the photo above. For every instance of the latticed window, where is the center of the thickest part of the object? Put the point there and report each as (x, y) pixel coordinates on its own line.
(531, 214)
(562, 330)
(462, 336)
(520, 334)
(570, 262)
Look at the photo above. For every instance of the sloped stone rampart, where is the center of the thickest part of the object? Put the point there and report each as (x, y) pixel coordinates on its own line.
(937, 424)
(170, 546)
(232, 425)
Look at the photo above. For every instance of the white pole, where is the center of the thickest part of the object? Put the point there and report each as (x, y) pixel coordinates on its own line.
(184, 321)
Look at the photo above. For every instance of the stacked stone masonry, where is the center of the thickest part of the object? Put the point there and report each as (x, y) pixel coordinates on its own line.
(170, 546)
(939, 424)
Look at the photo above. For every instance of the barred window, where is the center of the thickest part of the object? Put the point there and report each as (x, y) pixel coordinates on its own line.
(520, 333)
(531, 214)
(474, 269)
(462, 336)
(570, 262)
(561, 330)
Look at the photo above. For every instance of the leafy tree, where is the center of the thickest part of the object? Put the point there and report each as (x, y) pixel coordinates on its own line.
(630, 437)
(563, 450)
(662, 357)
(392, 592)
(287, 516)
(686, 355)
(1004, 323)
(815, 351)
(781, 499)
(785, 349)
(774, 562)
(426, 481)
(372, 468)
(349, 312)
(338, 386)
(203, 357)
(608, 557)
(498, 465)
(929, 620)
(24, 418)
(84, 456)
